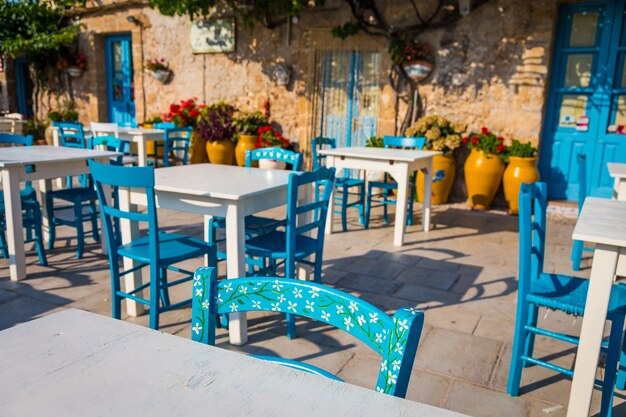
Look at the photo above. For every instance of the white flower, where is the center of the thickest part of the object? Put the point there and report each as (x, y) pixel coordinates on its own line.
(197, 328)
(413, 310)
(234, 307)
(383, 366)
(277, 285)
(348, 322)
(292, 306)
(219, 298)
(243, 289)
(309, 305)
(196, 281)
(379, 338)
(353, 307)
(339, 309)
(396, 364)
(361, 320)
(275, 307)
(281, 298)
(198, 292)
(325, 316)
(256, 304)
(403, 324)
(205, 304)
(228, 287)
(297, 293)
(379, 389)
(373, 317)
(392, 378)
(314, 292)
(399, 348)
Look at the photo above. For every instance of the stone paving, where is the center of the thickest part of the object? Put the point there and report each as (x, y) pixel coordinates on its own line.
(462, 273)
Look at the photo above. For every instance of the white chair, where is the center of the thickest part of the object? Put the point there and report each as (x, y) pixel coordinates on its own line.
(105, 129)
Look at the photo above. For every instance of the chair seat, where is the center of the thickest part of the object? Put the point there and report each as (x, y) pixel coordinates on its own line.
(301, 366)
(28, 197)
(75, 194)
(274, 245)
(173, 248)
(254, 223)
(349, 182)
(569, 294)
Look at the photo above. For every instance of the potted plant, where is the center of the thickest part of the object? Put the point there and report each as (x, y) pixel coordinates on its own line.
(416, 57)
(522, 160)
(66, 113)
(268, 137)
(149, 123)
(74, 64)
(441, 135)
(158, 69)
(186, 113)
(215, 126)
(483, 168)
(247, 125)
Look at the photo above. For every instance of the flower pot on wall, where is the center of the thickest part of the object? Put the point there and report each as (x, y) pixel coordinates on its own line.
(197, 149)
(483, 174)
(74, 72)
(518, 171)
(440, 189)
(418, 70)
(160, 75)
(221, 151)
(245, 143)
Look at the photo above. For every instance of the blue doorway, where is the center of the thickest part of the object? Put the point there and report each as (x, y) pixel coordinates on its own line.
(587, 99)
(119, 76)
(24, 87)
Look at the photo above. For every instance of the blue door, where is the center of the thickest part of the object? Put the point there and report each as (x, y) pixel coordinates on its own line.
(24, 87)
(347, 103)
(119, 75)
(587, 100)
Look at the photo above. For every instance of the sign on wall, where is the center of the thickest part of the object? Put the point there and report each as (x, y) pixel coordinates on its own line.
(212, 36)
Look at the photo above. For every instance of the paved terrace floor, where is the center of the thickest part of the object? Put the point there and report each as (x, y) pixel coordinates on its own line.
(462, 273)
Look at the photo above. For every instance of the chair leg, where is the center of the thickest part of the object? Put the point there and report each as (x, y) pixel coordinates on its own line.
(317, 268)
(409, 217)
(4, 248)
(154, 297)
(620, 383)
(165, 291)
(51, 223)
(344, 208)
(368, 208)
(80, 232)
(577, 254)
(519, 342)
(41, 252)
(385, 207)
(610, 370)
(362, 204)
(94, 221)
(533, 314)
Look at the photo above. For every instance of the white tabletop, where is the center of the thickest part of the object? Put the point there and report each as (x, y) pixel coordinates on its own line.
(617, 170)
(25, 155)
(140, 131)
(219, 181)
(602, 221)
(406, 155)
(75, 363)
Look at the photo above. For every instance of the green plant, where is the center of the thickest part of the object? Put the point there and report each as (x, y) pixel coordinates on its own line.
(441, 134)
(153, 120)
(67, 113)
(487, 142)
(248, 123)
(402, 52)
(216, 122)
(270, 137)
(375, 142)
(34, 128)
(157, 65)
(519, 150)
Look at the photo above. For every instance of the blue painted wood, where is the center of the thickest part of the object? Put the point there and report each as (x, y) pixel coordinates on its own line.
(278, 154)
(22, 79)
(344, 184)
(176, 141)
(31, 209)
(557, 292)
(394, 339)
(160, 251)
(387, 185)
(579, 246)
(120, 85)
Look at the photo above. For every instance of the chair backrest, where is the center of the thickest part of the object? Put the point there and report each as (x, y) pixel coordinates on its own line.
(278, 154)
(128, 124)
(317, 144)
(177, 140)
(71, 134)
(582, 180)
(124, 177)
(164, 125)
(394, 339)
(532, 232)
(404, 142)
(105, 129)
(110, 143)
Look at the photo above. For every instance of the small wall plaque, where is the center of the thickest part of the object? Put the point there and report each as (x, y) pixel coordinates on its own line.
(212, 36)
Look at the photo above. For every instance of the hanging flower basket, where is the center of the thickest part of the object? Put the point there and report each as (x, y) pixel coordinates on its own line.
(418, 70)
(160, 75)
(75, 72)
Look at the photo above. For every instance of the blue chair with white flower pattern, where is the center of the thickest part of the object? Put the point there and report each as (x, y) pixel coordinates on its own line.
(395, 338)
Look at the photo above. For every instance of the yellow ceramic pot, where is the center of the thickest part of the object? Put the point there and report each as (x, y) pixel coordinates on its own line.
(440, 189)
(221, 151)
(197, 149)
(245, 143)
(518, 171)
(483, 174)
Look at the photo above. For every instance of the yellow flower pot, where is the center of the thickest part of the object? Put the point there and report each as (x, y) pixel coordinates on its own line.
(245, 143)
(197, 149)
(440, 189)
(483, 174)
(518, 171)
(221, 151)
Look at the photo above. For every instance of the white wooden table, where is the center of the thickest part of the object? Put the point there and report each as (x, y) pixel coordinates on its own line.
(212, 190)
(617, 171)
(400, 164)
(601, 222)
(75, 363)
(48, 162)
(136, 135)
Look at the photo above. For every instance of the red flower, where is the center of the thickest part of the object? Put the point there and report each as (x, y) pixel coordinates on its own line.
(174, 108)
(475, 140)
(464, 140)
(620, 129)
(484, 131)
(194, 113)
(500, 139)
(500, 148)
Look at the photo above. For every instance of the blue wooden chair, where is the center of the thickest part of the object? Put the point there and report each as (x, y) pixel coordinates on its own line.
(387, 185)
(344, 184)
(395, 338)
(31, 209)
(156, 158)
(79, 203)
(579, 246)
(297, 242)
(557, 292)
(158, 250)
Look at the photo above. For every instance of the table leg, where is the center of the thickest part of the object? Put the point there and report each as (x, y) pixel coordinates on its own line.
(206, 236)
(130, 231)
(330, 162)
(236, 268)
(600, 284)
(427, 197)
(619, 189)
(141, 152)
(13, 213)
(56, 141)
(402, 178)
(44, 187)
